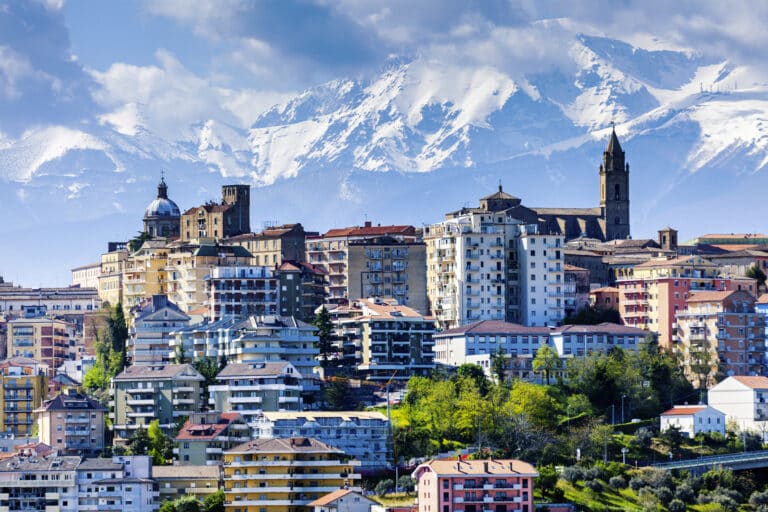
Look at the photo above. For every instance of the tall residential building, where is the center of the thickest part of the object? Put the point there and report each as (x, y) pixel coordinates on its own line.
(111, 273)
(274, 245)
(491, 263)
(47, 340)
(162, 216)
(652, 293)
(284, 475)
(575, 289)
(216, 221)
(250, 388)
(86, 276)
(70, 302)
(238, 292)
(371, 261)
(143, 393)
(362, 435)
(190, 265)
(150, 330)
(144, 274)
(720, 331)
(120, 483)
(24, 387)
(392, 340)
(474, 485)
(302, 289)
(72, 423)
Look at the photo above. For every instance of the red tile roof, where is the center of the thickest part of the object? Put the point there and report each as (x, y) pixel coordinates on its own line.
(330, 498)
(370, 231)
(709, 296)
(752, 382)
(684, 410)
(207, 431)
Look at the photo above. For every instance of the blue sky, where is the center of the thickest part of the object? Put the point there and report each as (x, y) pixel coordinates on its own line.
(85, 67)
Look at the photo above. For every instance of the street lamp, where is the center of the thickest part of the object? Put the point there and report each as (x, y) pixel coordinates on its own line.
(624, 455)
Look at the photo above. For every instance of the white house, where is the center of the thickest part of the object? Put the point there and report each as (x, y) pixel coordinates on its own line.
(345, 500)
(692, 419)
(744, 400)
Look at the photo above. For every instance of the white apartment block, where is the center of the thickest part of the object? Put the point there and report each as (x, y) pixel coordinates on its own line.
(119, 483)
(692, 419)
(241, 291)
(490, 263)
(363, 435)
(744, 400)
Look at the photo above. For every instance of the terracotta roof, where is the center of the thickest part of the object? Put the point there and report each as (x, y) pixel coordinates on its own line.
(684, 410)
(733, 236)
(752, 382)
(370, 231)
(331, 497)
(263, 369)
(664, 262)
(605, 289)
(763, 299)
(207, 431)
(573, 268)
(284, 445)
(495, 327)
(209, 208)
(709, 296)
(480, 467)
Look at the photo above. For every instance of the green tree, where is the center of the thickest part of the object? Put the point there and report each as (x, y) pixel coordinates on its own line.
(756, 273)
(325, 334)
(135, 243)
(338, 395)
(546, 361)
(476, 373)
(384, 487)
(139, 442)
(160, 445)
(214, 502)
(499, 365)
(406, 483)
(547, 479)
(673, 438)
(209, 368)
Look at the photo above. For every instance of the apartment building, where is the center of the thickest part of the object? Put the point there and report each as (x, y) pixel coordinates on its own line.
(48, 340)
(39, 483)
(205, 436)
(392, 339)
(250, 388)
(744, 400)
(274, 244)
(372, 261)
(474, 485)
(652, 293)
(575, 289)
(720, 331)
(110, 279)
(24, 387)
(143, 393)
(69, 302)
(150, 331)
(238, 292)
(362, 435)
(302, 289)
(478, 342)
(189, 266)
(284, 474)
(72, 423)
(144, 274)
(199, 481)
(117, 483)
(86, 276)
(693, 419)
(491, 263)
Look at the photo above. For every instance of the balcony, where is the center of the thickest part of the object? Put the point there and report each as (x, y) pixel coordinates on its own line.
(244, 399)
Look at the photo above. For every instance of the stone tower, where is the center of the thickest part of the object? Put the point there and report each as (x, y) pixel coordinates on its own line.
(238, 218)
(614, 191)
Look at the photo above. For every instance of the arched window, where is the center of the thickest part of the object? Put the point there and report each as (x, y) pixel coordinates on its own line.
(617, 191)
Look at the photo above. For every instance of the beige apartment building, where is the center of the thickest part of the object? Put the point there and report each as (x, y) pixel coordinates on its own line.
(144, 274)
(372, 261)
(72, 423)
(47, 340)
(24, 387)
(111, 274)
(274, 245)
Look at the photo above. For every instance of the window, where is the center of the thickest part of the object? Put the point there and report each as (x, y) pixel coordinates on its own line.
(617, 192)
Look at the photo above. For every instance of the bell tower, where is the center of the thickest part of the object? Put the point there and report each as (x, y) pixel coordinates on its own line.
(614, 191)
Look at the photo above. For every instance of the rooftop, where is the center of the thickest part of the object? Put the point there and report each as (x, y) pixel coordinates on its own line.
(183, 472)
(284, 445)
(157, 372)
(684, 410)
(508, 467)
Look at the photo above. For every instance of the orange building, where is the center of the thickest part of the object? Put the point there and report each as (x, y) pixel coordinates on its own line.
(720, 331)
(651, 293)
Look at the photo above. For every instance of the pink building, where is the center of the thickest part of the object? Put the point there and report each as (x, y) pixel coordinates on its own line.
(475, 486)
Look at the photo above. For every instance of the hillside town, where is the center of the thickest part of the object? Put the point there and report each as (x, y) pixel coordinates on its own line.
(504, 358)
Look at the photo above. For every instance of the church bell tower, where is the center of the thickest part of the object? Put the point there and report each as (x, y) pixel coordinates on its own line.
(614, 191)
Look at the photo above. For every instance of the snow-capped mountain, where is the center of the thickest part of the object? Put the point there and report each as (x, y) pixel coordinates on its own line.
(419, 139)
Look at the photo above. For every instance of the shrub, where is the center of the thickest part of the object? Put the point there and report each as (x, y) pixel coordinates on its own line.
(685, 493)
(636, 483)
(758, 498)
(676, 506)
(647, 500)
(664, 494)
(385, 487)
(618, 482)
(593, 485)
(727, 503)
(557, 495)
(593, 473)
(573, 474)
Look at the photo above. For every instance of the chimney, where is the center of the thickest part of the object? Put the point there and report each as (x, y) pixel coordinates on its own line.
(485, 466)
(367, 224)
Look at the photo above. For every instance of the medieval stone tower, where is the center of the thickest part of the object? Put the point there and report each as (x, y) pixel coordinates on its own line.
(614, 191)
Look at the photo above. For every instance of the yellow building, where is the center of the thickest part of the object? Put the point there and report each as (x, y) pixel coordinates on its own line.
(283, 475)
(111, 275)
(24, 385)
(46, 340)
(144, 274)
(273, 245)
(198, 481)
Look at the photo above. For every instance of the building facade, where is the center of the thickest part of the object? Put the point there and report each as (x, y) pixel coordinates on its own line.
(216, 221)
(72, 423)
(474, 486)
(150, 330)
(162, 216)
(205, 436)
(274, 245)
(284, 475)
(238, 292)
(744, 401)
(693, 419)
(302, 289)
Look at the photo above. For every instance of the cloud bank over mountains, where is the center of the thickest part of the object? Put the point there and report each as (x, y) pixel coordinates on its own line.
(390, 109)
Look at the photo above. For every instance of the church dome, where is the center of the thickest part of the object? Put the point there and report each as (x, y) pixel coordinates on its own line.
(162, 206)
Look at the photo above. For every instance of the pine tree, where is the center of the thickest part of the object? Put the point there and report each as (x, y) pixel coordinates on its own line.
(324, 333)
